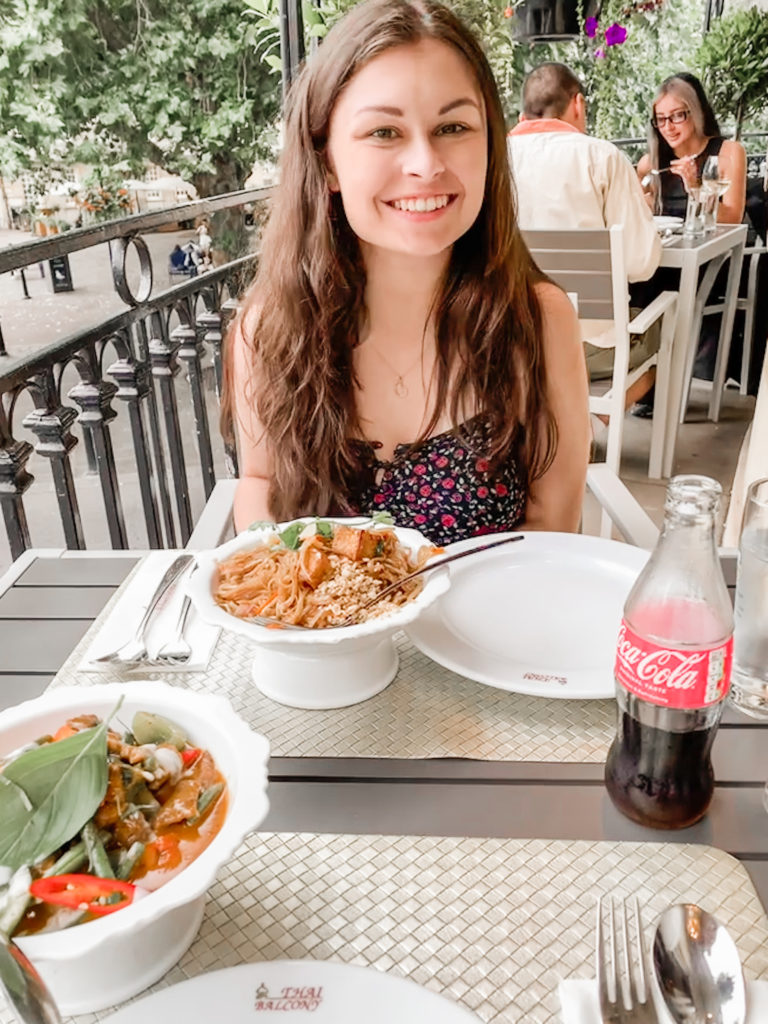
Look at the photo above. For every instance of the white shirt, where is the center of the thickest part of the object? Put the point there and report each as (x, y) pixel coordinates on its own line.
(567, 180)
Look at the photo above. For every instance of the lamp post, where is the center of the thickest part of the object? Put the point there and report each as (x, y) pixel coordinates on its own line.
(712, 9)
(291, 40)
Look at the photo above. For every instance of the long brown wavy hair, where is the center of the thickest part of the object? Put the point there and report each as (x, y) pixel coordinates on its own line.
(302, 317)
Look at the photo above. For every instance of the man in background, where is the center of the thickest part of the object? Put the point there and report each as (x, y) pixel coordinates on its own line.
(566, 179)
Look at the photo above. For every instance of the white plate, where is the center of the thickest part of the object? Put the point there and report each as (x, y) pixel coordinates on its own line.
(295, 990)
(540, 617)
(662, 223)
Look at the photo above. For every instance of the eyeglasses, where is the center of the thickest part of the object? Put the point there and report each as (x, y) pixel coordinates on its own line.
(675, 118)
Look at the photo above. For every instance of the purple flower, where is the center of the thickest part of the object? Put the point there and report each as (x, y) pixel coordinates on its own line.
(590, 27)
(615, 35)
(599, 53)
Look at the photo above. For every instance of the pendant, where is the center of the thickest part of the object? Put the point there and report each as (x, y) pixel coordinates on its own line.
(400, 389)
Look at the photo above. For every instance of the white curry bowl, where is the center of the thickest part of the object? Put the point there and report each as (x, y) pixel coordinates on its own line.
(90, 966)
(317, 668)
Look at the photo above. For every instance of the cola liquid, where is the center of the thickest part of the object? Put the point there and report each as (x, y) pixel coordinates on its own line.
(660, 778)
(673, 668)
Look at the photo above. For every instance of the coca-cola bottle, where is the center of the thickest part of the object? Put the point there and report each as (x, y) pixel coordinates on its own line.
(673, 667)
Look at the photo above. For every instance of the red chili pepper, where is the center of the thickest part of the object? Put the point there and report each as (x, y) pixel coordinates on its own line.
(190, 755)
(86, 892)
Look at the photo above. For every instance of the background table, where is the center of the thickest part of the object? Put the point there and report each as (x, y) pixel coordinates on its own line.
(688, 255)
(47, 601)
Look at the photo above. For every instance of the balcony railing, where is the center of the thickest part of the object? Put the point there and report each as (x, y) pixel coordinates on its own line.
(155, 369)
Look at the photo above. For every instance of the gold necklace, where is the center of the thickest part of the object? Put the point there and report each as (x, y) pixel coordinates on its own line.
(401, 388)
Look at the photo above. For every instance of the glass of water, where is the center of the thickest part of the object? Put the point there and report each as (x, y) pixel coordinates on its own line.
(693, 225)
(749, 691)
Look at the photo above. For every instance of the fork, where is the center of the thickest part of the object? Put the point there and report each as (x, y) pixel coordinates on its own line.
(135, 649)
(619, 988)
(177, 650)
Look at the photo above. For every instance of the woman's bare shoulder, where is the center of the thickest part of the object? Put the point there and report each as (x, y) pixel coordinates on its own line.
(733, 149)
(553, 301)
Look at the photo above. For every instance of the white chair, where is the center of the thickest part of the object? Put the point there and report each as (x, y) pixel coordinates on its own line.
(619, 507)
(746, 303)
(591, 264)
(752, 464)
(215, 524)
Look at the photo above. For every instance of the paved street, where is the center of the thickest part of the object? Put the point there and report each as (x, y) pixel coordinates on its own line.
(30, 324)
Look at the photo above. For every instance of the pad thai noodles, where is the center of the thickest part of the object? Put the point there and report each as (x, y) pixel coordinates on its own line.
(322, 575)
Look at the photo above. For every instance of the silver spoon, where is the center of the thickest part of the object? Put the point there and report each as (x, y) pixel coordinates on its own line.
(698, 968)
(27, 992)
(646, 180)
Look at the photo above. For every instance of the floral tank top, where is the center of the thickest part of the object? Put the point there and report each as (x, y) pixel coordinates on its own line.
(442, 487)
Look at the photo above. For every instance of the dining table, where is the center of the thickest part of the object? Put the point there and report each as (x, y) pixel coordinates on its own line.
(689, 255)
(444, 830)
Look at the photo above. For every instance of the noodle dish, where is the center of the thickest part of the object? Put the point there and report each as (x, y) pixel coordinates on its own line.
(317, 574)
(313, 573)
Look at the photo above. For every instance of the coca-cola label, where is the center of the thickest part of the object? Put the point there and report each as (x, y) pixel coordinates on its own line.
(671, 677)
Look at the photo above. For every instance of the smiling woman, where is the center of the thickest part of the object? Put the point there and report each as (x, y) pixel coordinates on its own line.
(683, 133)
(399, 349)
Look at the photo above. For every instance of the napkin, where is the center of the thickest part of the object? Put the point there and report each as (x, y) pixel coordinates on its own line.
(130, 606)
(579, 1002)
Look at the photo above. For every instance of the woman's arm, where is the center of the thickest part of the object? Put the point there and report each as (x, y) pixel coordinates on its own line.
(253, 485)
(733, 166)
(555, 499)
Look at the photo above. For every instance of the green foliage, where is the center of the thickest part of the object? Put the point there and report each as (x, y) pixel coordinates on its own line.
(620, 86)
(734, 62)
(134, 80)
(265, 15)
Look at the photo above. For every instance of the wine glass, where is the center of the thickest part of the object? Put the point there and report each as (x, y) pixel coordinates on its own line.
(713, 185)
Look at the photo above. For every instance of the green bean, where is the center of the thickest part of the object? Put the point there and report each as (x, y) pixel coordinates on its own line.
(97, 855)
(129, 860)
(151, 728)
(204, 801)
(69, 861)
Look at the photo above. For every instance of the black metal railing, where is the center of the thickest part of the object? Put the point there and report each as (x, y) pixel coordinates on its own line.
(128, 367)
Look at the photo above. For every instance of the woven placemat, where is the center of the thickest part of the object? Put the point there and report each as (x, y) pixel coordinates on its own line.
(491, 923)
(427, 711)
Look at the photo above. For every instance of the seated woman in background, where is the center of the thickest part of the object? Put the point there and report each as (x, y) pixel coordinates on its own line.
(683, 132)
(399, 350)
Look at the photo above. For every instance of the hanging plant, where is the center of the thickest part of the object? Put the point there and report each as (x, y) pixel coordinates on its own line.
(604, 38)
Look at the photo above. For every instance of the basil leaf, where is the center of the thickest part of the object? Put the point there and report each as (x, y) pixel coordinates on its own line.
(64, 782)
(325, 529)
(290, 535)
(383, 518)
